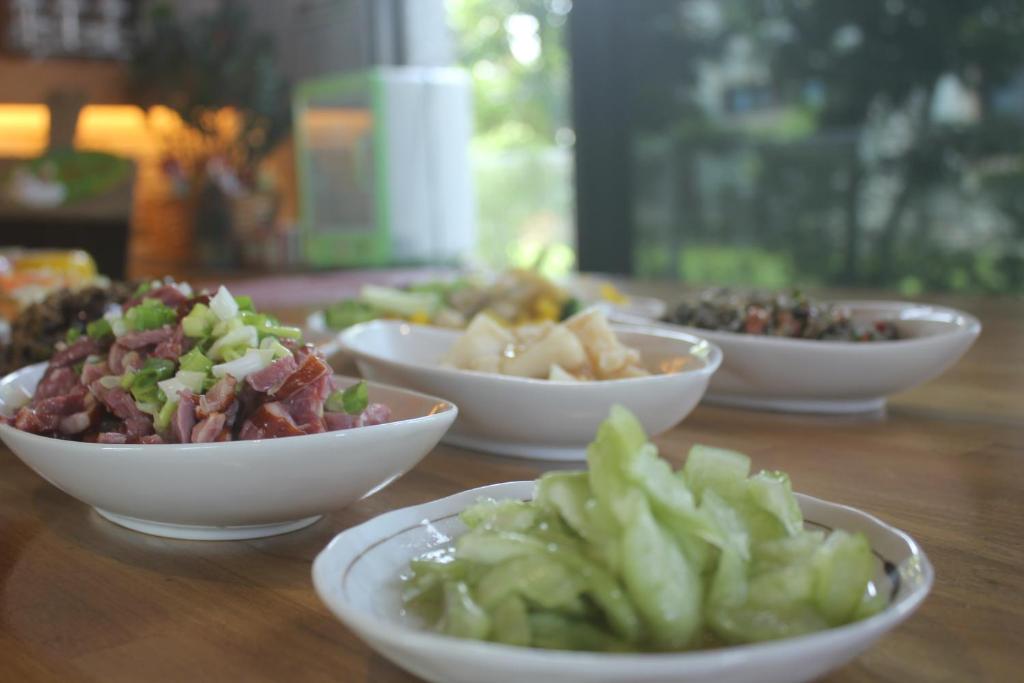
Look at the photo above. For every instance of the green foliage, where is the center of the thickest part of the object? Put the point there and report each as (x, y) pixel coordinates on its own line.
(845, 177)
(517, 104)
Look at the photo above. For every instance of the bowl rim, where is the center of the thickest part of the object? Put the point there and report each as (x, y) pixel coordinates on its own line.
(6, 428)
(888, 618)
(963, 324)
(709, 366)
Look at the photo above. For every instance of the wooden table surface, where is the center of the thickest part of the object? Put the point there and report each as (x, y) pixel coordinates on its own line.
(84, 600)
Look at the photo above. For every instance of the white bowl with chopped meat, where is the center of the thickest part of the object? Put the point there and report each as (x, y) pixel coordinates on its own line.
(541, 400)
(202, 421)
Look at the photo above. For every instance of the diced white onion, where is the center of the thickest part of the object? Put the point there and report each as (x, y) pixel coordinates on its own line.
(246, 334)
(151, 408)
(254, 360)
(12, 397)
(191, 379)
(172, 387)
(183, 287)
(114, 311)
(223, 304)
(110, 381)
(280, 350)
(185, 380)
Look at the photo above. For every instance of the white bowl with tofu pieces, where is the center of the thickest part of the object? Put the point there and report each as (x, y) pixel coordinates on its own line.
(540, 391)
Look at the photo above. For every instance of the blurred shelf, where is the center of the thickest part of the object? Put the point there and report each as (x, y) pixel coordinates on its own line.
(31, 81)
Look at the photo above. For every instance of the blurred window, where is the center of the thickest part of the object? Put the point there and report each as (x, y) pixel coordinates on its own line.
(522, 150)
(771, 142)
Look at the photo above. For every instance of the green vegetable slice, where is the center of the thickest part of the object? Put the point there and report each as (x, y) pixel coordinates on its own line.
(843, 566)
(462, 616)
(629, 555)
(511, 622)
(349, 312)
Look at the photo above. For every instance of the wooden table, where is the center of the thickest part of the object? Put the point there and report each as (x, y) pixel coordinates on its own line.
(84, 600)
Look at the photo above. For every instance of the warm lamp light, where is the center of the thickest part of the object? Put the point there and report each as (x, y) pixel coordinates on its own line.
(24, 130)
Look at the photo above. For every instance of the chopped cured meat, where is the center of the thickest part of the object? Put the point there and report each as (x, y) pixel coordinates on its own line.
(336, 421)
(314, 427)
(375, 414)
(270, 420)
(184, 418)
(55, 381)
(217, 400)
(272, 376)
(84, 397)
(111, 437)
(93, 371)
(120, 359)
(115, 359)
(76, 423)
(310, 370)
(133, 360)
(29, 419)
(120, 403)
(76, 351)
(169, 295)
(69, 413)
(307, 405)
(174, 346)
(140, 340)
(209, 429)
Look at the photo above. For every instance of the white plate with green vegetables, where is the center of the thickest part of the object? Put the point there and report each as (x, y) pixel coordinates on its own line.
(625, 572)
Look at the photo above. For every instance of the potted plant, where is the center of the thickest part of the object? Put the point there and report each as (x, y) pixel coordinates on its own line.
(222, 78)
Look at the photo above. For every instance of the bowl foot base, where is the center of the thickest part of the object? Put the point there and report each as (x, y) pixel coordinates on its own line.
(516, 450)
(206, 533)
(789, 405)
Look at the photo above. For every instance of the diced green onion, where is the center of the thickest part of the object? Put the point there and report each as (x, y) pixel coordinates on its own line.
(199, 322)
(163, 418)
(352, 400)
(98, 329)
(73, 333)
(151, 314)
(150, 407)
(244, 302)
(195, 361)
(279, 349)
(245, 336)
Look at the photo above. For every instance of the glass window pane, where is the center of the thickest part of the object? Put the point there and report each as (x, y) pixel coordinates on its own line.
(874, 143)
